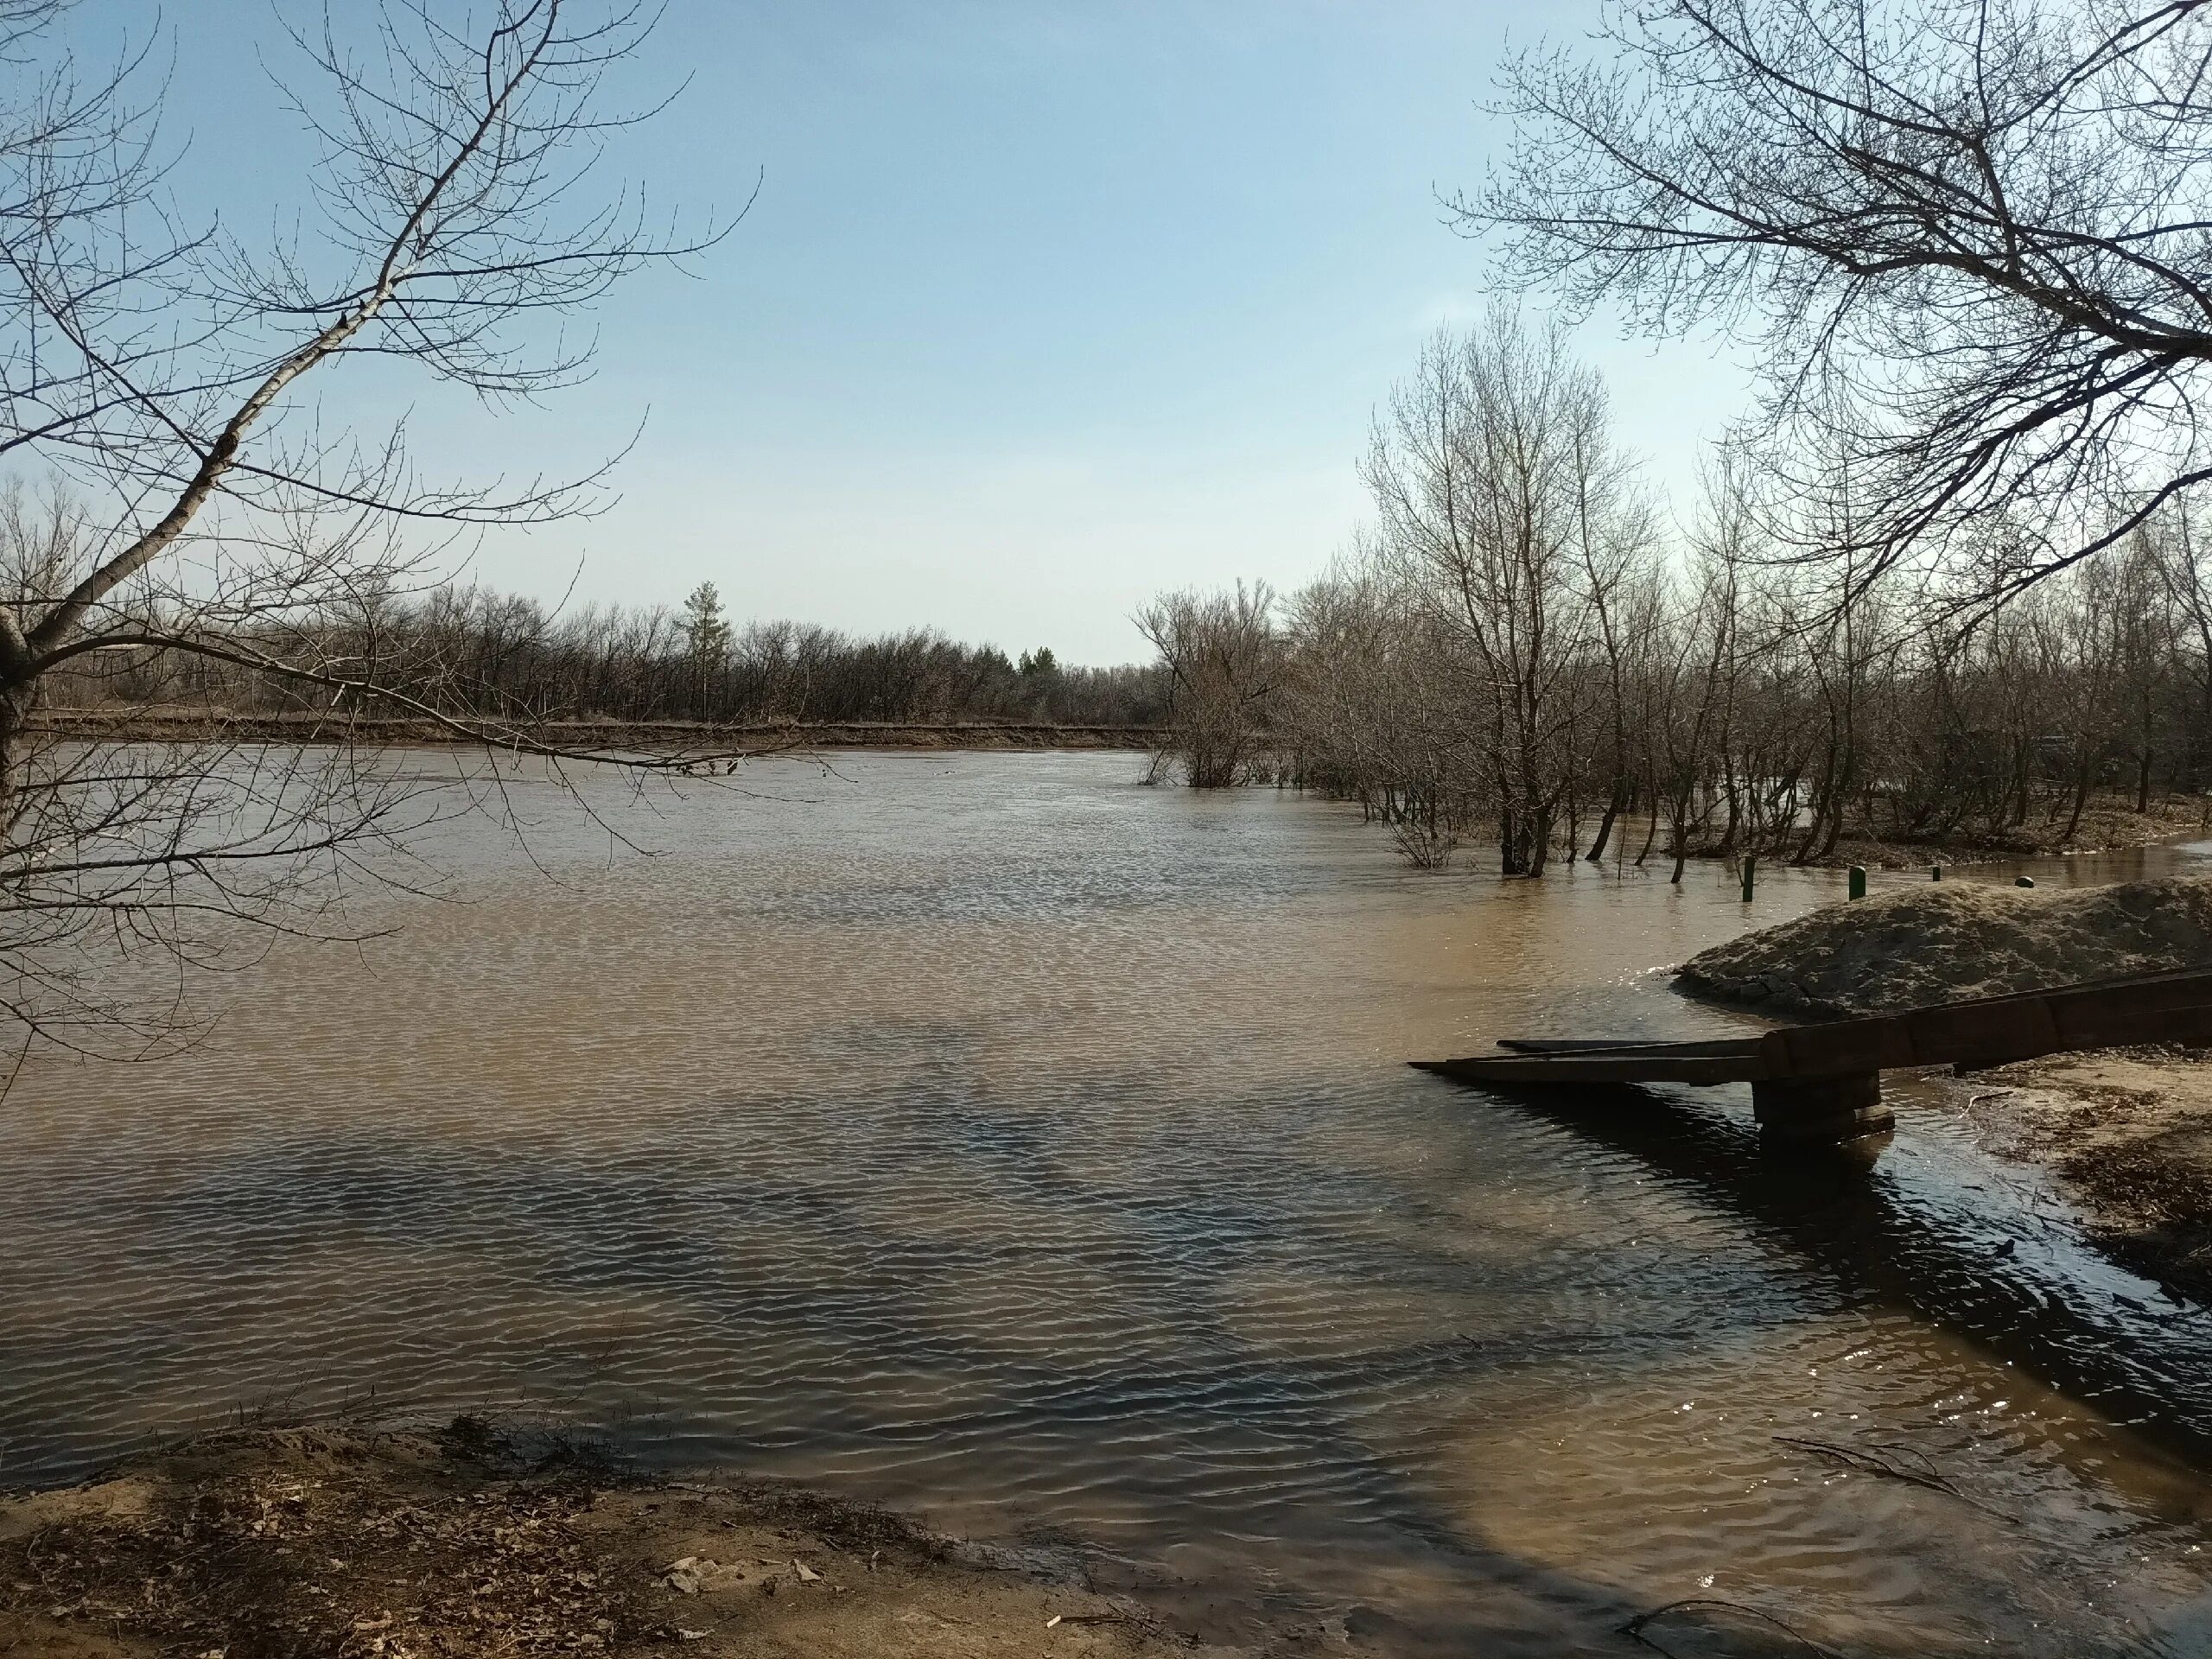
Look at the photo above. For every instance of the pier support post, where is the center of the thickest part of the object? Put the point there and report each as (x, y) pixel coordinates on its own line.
(1822, 1109)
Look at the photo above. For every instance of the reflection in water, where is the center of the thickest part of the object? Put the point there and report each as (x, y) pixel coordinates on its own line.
(989, 1135)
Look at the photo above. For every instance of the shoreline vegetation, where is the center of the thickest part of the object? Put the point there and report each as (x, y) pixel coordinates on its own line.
(2124, 1133)
(2067, 722)
(360, 1540)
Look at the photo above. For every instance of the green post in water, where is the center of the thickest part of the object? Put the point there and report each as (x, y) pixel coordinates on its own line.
(1750, 864)
(1934, 872)
(1859, 881)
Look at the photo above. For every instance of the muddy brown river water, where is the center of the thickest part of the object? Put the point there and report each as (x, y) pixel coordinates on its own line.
(995, 1136)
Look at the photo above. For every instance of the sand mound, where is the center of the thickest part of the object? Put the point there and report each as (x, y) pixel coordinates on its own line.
(1920, 945)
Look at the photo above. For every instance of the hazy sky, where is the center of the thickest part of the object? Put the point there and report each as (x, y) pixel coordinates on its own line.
(1041, 307)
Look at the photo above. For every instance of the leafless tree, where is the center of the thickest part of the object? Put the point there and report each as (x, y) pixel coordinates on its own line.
(1221, 658)
(1617, 545)
(1374, 707)
(1511, 514)
(205, 512)
(1967, 238)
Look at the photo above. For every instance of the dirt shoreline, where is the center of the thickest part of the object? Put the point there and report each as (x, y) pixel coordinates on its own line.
(2110, 824)
(2125, 1135)
(349, 1540)
(139, 726)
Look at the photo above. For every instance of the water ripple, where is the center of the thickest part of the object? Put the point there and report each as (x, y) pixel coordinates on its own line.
(992, 1134)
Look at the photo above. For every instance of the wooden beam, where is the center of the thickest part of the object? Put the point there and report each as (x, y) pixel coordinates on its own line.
(2173, 1007)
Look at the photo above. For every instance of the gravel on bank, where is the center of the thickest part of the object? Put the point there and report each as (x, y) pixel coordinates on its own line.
(1919, 945)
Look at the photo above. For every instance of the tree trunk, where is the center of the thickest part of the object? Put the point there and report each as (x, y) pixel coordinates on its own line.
(1509, 844)
(1596, 852)
(1539, 840)
(2080, 800)
(1735, 811)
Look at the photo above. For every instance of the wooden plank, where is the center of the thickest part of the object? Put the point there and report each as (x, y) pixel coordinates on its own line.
(1646, 1066)
(2108, 1022)
(1982, 1033)
(2171, 1007)
(1987, 1030)
(1847, 1048)
(1564, 1045)
(1620, 1046)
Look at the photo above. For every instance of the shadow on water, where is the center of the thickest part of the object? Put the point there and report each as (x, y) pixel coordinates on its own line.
(1895, 1232)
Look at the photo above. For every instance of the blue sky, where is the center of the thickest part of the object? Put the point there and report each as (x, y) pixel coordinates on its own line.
(1041, 307)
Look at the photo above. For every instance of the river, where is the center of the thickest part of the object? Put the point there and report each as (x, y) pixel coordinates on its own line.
(995, 1136)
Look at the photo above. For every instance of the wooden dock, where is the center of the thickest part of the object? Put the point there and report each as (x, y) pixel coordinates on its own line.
(1823, 1082)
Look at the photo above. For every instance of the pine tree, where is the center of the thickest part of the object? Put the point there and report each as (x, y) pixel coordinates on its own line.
(705, 625)
(707, 630)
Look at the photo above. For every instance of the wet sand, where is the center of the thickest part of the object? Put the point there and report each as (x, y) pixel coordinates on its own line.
(2126, 1136)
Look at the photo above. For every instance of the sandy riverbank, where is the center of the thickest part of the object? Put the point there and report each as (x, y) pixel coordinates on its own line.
(2125, 1134)
(277, 1543)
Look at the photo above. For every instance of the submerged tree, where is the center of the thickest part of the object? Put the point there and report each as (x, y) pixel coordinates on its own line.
(208, 513)
(1967, 237)
(1513, 519)
(1221, 658)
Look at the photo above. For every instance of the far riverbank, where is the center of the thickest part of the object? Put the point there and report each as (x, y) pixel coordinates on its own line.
(662, 736)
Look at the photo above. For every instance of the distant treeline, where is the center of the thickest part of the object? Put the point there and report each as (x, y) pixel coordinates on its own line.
(473, 652)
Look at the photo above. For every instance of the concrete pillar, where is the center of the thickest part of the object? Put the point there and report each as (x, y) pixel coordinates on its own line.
(1822, 1109)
